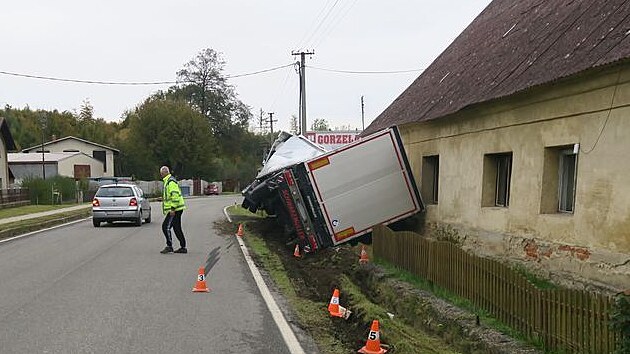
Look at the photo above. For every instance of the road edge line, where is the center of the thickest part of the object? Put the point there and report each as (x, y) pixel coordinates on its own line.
(42, 230)
(285, 330)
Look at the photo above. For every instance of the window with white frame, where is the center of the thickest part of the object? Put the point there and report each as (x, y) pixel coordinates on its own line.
(559, 179)
(567, 167)
(497, 174)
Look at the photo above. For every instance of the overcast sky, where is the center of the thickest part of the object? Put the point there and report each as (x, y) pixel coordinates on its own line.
(141, 40)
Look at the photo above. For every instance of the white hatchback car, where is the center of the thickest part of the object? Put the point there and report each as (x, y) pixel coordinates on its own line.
(120, 202)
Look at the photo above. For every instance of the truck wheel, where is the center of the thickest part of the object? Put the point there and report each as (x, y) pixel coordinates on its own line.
(96, 222)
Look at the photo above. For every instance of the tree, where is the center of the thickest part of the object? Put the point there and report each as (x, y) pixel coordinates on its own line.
(169, 132)
(320, 125)
(204, 86)
(86, 111)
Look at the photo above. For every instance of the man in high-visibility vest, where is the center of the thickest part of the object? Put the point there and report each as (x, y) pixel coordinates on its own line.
(172, 206)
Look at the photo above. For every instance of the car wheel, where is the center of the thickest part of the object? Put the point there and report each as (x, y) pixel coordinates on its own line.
(96, 223)
(138, 220)
(148, 220)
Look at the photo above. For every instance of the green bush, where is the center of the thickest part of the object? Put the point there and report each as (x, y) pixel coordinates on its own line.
(41, 191)
(620, 322)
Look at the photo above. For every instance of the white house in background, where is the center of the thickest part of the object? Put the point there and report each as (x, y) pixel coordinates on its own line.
(7, 145)
(102, 153)
(68, 164)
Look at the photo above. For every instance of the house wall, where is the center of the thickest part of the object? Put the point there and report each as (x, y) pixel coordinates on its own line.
(593, 242)
(66, 166)
(4, 165)
(88, 149)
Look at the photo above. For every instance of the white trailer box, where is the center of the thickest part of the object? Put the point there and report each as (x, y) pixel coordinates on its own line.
(362, 185)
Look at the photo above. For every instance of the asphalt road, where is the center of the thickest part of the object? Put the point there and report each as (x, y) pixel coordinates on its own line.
(80, 289)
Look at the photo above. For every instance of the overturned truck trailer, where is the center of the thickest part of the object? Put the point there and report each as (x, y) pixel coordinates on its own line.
(329, 198)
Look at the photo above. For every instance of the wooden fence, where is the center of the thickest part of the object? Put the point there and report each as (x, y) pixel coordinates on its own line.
(14, 197)
(570, 321)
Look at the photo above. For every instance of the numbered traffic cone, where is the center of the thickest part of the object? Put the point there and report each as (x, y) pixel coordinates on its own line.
(239, 232)
(333, 306)
(373, 344)
(201, 286)
(296, 251)
(364, 256)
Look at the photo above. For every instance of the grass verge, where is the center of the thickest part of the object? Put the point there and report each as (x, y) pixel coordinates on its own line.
(237, 210)
(30, 209)
(21, 227)
(400, 337)
(458, 301)
(306, 283)
(310, 313)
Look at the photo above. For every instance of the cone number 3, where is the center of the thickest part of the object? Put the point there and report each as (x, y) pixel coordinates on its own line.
(373, 335)
(200, 277)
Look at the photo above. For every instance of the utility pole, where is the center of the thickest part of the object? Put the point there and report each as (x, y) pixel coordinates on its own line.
(362, 114)
(261, 121)
(271, 125)
(303, 55)
(42, 122)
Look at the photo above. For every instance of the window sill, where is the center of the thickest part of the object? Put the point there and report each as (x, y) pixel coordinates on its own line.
(559, 214)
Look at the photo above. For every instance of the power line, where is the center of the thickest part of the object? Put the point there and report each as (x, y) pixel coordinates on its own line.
(321, 23)
(321, 12)
(86, 81)
(282, 87)
(260, 71)
(334, 22)
(126, 83)
(365, 72)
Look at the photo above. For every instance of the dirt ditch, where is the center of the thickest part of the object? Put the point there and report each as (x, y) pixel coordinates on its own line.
(411, 321)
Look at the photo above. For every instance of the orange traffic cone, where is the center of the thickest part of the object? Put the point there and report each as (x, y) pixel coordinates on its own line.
(296, 251)
(333, 307)
(364, 256)
(201, 286)
(373, 344)
(239, 232)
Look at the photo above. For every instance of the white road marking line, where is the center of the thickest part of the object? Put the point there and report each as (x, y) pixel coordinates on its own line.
(42, 230)
(286, 331)
(226, 213)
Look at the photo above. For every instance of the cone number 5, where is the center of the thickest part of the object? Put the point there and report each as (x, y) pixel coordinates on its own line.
(373, 335)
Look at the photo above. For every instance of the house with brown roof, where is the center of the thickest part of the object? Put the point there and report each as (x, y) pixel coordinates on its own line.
(518, 134)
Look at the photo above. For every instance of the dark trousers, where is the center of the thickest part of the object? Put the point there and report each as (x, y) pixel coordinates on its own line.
(175, 222)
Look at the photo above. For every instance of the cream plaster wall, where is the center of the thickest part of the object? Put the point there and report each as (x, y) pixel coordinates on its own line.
(566, 113)
(65, 167)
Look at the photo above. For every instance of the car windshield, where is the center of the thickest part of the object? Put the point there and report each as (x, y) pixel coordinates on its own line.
(115, 192)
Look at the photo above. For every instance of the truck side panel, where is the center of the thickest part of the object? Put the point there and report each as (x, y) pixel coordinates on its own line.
(364, 184)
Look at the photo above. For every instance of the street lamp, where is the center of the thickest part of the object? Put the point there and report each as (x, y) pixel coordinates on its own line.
(42, 123)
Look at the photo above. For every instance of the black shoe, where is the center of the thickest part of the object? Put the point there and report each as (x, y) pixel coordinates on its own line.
(181, 250)
(167, 249)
